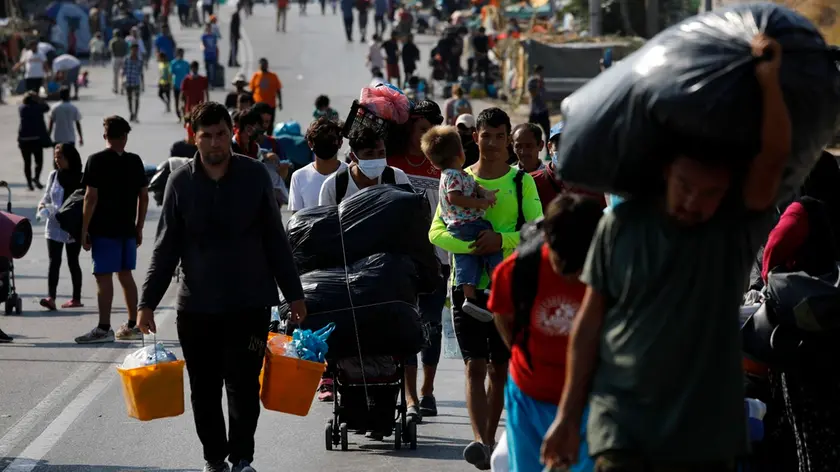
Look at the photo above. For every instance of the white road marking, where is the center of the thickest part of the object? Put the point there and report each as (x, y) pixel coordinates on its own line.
(41, 446)
(32, 455)
(17, 432)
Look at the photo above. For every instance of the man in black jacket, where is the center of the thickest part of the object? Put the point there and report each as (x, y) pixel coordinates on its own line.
(235, 23)
(220, 219)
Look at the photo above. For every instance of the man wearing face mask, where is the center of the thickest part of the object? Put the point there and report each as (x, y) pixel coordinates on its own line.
(368, 168)
(324, 138)
(548, 183)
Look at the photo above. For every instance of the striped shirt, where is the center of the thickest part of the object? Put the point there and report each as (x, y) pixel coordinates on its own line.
(133, 72)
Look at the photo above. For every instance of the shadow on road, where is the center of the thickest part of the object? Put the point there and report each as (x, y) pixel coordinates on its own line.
(53, 361)
(29, 276)
(34, 310)
(425, 450)
(45, 466)
(72, 344)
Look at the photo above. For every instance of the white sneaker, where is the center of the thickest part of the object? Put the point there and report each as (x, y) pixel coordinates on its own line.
(96, 336)
(124, 333)
(476, 311)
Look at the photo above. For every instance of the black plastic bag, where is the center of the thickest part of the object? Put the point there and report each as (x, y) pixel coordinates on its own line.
(384, 292)
(378, 219)
(809, 303)
(693, 87)
(313, 235)
(69, 216)
(158, 183)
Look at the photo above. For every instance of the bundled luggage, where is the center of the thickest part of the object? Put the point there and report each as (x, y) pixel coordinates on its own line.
(693, 87)
(384, 294)
(378, 219)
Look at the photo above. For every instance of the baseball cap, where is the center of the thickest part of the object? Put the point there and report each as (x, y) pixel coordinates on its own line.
(467, 120)
(555, 130)
(239, 78)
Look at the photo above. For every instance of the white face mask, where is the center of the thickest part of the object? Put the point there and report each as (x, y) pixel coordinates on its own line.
(372, 168)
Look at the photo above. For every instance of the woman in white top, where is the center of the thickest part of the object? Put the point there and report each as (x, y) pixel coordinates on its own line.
(62, 183)
(35, 67)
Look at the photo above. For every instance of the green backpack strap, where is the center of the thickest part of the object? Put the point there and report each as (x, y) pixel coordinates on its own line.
(520, 217)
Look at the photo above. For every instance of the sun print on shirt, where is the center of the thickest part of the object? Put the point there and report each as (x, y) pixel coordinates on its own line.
(554, 316)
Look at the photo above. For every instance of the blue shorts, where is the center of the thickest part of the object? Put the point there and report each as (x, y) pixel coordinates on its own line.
(112, 255)
(468, 267)
(527, 422)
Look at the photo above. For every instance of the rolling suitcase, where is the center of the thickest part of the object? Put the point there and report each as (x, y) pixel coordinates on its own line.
(219, 77)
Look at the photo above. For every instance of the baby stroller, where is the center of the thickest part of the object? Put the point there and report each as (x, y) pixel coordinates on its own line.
(8, 292)
(365, 391)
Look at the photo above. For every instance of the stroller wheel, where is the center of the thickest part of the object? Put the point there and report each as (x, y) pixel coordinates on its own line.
(398, 436)
(19, 305)
(328, 433)
(411, 434)
(342, 430)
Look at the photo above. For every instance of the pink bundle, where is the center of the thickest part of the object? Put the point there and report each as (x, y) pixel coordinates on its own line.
(387, 102)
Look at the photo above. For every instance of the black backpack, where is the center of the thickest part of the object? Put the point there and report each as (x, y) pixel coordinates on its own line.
(526, 270)
(343, 178)
(524, 283)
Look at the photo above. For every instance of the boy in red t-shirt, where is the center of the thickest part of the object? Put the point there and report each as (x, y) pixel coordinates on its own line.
(194, 88)
(538, 350)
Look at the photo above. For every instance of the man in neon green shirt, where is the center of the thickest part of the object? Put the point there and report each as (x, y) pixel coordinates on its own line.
(485, 354)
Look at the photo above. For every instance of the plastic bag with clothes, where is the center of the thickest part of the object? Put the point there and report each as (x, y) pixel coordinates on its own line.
(693, 88)
(387, 102)
(291, 140)
(304, 344)
(383, 288)
(378, 219)
(312, 345)
(148, 355)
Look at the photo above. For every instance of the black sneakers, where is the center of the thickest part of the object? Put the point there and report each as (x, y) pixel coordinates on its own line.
(428, 406)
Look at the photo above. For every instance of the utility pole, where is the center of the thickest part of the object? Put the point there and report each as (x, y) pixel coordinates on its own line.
(595, 18)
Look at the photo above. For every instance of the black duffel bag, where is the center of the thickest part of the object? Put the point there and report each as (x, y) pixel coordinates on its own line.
(799, 307)
(384, 294)
(157, 184)
(71, 213)
(692, 88)
(378, 219)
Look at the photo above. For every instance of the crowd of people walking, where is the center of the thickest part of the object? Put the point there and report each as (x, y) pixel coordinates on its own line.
(556, 293)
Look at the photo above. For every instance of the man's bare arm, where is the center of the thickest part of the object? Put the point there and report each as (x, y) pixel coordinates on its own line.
(765, 173)
(91, 198)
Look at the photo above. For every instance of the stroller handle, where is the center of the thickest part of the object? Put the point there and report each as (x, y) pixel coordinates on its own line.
(4, 184)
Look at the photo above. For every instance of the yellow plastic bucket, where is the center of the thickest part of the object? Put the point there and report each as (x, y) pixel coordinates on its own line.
(155, 391)
(288, 385)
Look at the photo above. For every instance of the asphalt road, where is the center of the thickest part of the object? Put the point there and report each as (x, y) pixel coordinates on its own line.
(61, 407)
